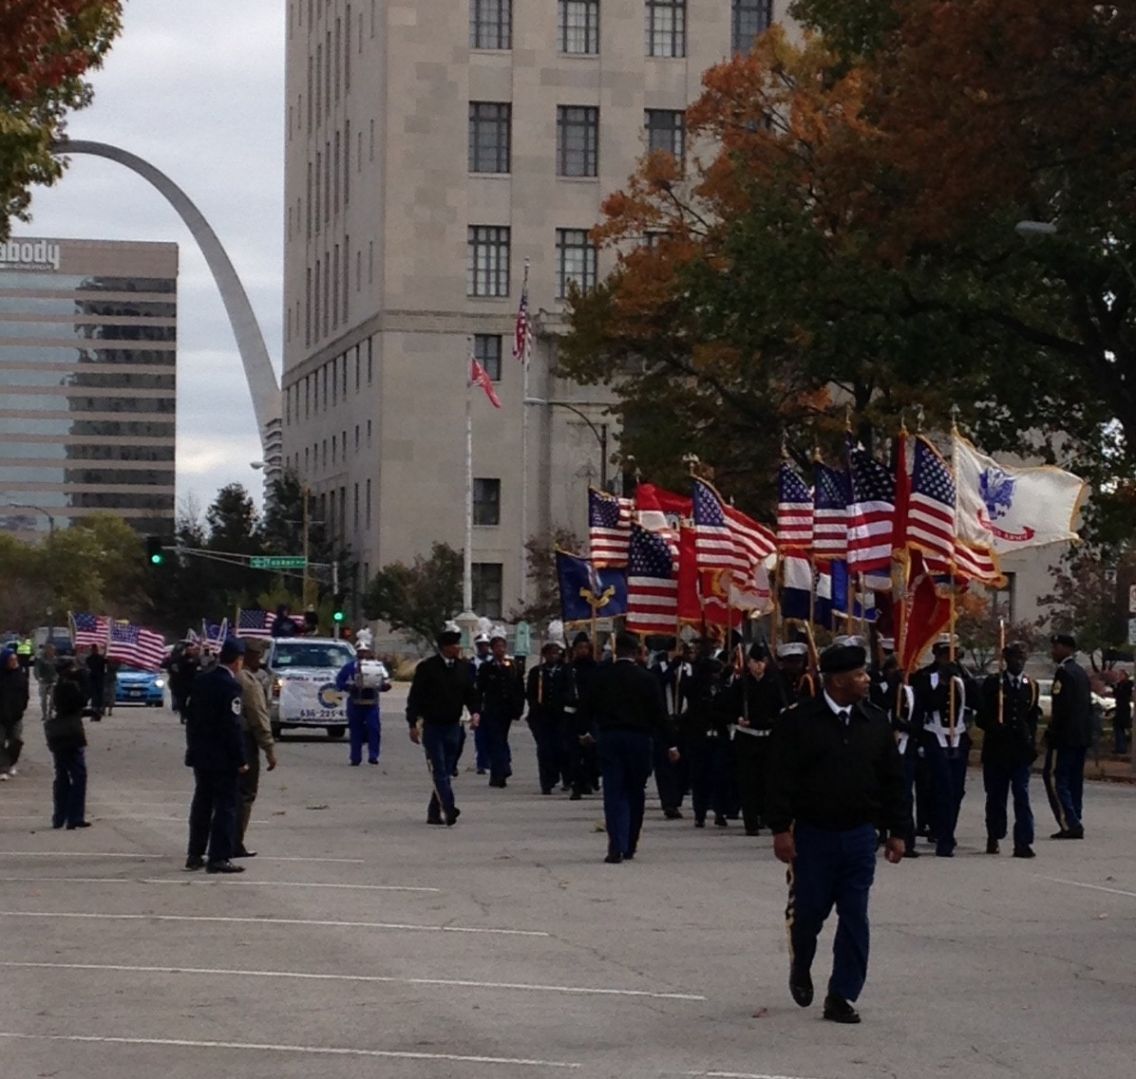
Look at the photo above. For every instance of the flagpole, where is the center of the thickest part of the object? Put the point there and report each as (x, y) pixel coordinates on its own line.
(467, 560)
(523, 590)
(952, 652)
(775, 615)
(1001, 670)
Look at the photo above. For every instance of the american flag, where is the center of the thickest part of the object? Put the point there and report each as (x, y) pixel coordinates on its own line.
(478, 376)
(830, 513)
(931, 519)
(90, 629)
(794, 511)
(255, 624)
(609, 527)
(652, 584)
(871, 512)
(136, 646)
(523, 333)
(726, 538)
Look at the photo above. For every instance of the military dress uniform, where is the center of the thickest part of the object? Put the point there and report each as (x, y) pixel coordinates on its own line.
(896, 700)
(579, 760)
(945, 745)
(674, 674)
(502, 696)
(800, 683)
(705, 734)
(1008, 717)
(1067, 740)
(215, 750)
(547, 694)
(834, 779)
(258, 738)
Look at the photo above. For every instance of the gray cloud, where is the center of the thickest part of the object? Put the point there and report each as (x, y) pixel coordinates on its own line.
(198, 89)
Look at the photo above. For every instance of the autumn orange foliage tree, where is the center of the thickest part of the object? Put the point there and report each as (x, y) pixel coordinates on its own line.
(46, 47)
(844, 234)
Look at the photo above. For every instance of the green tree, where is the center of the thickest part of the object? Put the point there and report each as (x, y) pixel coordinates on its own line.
(1086, 601)
(418, 599)
(49, 45)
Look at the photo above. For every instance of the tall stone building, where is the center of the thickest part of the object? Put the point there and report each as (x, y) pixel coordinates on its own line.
(434, 148)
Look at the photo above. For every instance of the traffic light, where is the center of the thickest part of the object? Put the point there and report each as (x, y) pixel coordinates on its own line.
(155, 555)
(338, 615)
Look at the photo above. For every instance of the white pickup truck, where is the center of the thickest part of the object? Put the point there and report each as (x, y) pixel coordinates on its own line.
(303, 671)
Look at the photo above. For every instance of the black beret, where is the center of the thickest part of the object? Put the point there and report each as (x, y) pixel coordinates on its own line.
(449, 636)
(841, 658)
(581, 638)
(1066, 639)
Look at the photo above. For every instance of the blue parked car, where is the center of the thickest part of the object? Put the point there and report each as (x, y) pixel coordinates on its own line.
(132, 686)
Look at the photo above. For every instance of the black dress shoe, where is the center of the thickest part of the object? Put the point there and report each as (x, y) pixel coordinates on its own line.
(992, 846)
(614, 859)
(452, 818)
(194, 862)
(223, 867)
(1024, 852)
(838, 1010)
(700, 823)
(801, 987)
(244, 852)
(753, 831)
(435, 820)
(911, 852)
(1070, 833)
(575, 796)
(87, 824)
(672, 814)
(720, 821)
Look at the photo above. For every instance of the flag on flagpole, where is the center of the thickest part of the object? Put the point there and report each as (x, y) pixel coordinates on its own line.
(523, 331)
(135, 646)
(255, 624)
(871, 512)
(586, 592)
(796, 587)
(478, 376)
(726, 537)
(830, 512)
(89, 629)
(609, 528)
(1011, 509)
(794, 510)
(652, 584)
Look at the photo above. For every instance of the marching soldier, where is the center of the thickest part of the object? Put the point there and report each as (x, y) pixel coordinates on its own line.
(502, 697)
(441, 688)
(946, 744)
(705, 736)
(1008, 718)
(834, 778)
(579, 758)
(751, 703)
(547, 695)
(896, 699)
(481, 655)
(792, 661)
(1067, 739)
(673, 670)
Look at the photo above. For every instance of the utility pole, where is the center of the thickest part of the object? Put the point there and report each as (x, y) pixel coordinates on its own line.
(306, 523)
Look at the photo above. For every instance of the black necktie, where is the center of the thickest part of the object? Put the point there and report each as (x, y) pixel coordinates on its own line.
(844, 716)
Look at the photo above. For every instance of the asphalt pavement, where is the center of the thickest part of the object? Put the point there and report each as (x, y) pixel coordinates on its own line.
(361, 942)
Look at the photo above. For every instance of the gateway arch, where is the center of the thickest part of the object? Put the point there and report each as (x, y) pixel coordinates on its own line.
(261, 378)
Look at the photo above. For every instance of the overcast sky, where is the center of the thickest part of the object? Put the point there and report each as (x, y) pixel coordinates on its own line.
(197, 89)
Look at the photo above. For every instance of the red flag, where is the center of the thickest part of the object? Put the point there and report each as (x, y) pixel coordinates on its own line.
(478, 376)
(926, 613)
(689, 603)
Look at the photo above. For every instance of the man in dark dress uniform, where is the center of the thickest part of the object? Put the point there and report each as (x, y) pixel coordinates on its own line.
(1067, 739)
(705, 735)
(792, 662)
(441, 688)
(673, 669)
(1122, 720)
(579, 759)
(623, 709)
(835, 777)
(751, 703)
(547, 694)
(1008, 714)
(502, 695)
(215, 750)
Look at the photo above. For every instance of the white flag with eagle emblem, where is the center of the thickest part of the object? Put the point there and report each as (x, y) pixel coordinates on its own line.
(1010, 508)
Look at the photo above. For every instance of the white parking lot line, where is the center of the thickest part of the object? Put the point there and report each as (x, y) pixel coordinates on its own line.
(453, 983)
(312, 1050)
(219, 884)
(741, 1075)
(160, 857)
(1091, 887)
(273, 921)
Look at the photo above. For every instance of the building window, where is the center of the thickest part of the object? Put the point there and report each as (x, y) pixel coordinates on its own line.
(487, 267)
(489, 136)
(491, 24)
(666, 131)
(577, 140)
(486, 502)
(666, 28)
(368, 432)
(750, 19)
(488, 589)
(487, 352)
(575, 261)
(355, 512)
(578, 27)
(356, 438)
(370, 374)
(368, 503)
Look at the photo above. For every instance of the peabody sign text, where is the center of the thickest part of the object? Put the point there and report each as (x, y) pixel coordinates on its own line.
(29, 254)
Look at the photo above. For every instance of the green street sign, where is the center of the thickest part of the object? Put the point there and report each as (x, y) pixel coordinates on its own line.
(278, 561)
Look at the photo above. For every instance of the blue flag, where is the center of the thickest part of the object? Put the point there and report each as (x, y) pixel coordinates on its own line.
(587, 593)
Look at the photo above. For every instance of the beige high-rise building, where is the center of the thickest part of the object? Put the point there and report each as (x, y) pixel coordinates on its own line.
(434, 148)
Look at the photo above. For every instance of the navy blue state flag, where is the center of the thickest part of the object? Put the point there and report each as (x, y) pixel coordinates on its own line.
(586, 592)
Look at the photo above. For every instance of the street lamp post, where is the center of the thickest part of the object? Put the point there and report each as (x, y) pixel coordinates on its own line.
(600, 432)
(38, 509)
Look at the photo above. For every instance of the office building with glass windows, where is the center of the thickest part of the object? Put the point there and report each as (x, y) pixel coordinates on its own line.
(88, 352)
(435, 150)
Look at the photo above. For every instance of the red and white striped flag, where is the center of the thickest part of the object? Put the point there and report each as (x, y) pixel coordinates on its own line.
(136, 646)
(609, 528)
(726, 538)
(90, 629)
(523, 331)
(871, 512)
(652, 584)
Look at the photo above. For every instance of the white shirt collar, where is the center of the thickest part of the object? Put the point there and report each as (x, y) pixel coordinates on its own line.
(836, 709)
